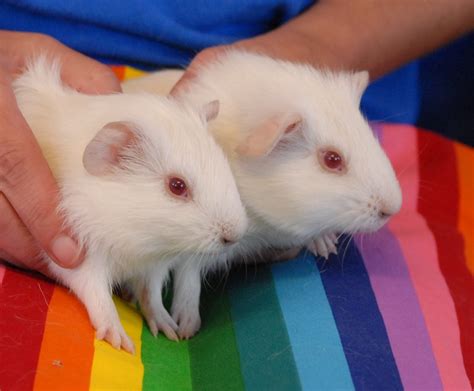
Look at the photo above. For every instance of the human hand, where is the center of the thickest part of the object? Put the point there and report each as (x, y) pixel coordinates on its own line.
(286, 43)
(29, 222)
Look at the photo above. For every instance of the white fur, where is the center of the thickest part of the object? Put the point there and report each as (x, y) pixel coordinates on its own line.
(127, 221)
(291, 199)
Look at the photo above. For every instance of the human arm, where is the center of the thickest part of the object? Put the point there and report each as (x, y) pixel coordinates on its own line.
(377, 36)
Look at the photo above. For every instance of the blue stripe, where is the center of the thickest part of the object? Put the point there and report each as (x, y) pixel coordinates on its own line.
(312, 330)
(360, 324)
(266, 355)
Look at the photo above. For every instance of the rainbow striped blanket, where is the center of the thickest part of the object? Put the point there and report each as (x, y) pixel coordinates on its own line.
(393, 311)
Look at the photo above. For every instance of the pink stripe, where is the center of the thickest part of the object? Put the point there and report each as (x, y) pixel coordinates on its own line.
(419, 248)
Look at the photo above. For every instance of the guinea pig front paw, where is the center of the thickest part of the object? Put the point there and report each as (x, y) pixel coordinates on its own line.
(286, 255)
(153, 310)
(116, 336)
(189, 322)
(324, 245)
(159, 320)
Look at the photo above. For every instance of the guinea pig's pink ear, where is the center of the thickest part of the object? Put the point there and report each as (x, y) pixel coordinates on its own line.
(210, 110)
(264, 138)
(360, 81)
(103, 152)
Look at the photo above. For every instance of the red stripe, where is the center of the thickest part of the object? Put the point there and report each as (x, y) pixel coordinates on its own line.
(439, 198)
(24, 300)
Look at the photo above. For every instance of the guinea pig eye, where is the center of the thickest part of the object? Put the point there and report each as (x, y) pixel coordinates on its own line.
(178, 187)
(332, 161)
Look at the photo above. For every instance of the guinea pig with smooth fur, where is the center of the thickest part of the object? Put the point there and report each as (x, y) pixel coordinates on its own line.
(141, 180)
(306, 161)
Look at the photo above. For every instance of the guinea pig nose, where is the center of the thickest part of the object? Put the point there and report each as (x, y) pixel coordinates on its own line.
(228, 235)
(384, 214)
(227, 241)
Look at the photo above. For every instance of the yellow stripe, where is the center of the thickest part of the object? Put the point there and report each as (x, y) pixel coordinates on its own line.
(465, 158)
(117, 370)
(132, 73)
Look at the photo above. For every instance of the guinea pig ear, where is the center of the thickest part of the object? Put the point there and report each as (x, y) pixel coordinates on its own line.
(210, 110)
(263, 139)
(360, 81)
(102, 154)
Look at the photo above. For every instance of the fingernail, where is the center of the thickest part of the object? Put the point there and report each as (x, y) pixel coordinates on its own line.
(65, 250)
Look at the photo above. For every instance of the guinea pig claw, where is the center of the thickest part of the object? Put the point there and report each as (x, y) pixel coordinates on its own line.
(163, 321)
(126, 344)
(170, 333)
(116, 337)
(189, 323)
(330, 244)
(153, 327)
(324, 245)
(320, 247)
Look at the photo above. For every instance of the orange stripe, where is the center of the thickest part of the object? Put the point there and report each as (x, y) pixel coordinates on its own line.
(119, 71)
(465, 158)
(68, 345)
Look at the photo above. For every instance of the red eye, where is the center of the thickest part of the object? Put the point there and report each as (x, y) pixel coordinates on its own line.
(332, 161)
(178, 187)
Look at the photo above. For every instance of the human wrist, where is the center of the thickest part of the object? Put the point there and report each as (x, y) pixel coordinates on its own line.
(311, 38)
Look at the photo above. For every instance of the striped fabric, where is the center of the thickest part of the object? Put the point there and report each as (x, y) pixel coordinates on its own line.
(393, 311)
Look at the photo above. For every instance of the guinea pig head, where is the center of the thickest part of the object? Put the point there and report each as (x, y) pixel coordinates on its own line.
(164, 186)
(311, 164)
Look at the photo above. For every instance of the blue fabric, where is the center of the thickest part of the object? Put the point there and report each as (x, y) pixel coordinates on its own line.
(147, 33)
(310, 325)
(162, 33)
(354, 305)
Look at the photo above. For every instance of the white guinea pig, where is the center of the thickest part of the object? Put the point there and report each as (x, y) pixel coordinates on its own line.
(141, 180)
(306, 161)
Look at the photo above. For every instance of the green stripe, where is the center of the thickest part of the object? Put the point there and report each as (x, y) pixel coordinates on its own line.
(166, 363)
(214, 357)
(266, 355)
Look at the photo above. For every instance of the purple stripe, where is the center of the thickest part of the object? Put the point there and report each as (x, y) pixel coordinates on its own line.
(398, 304)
